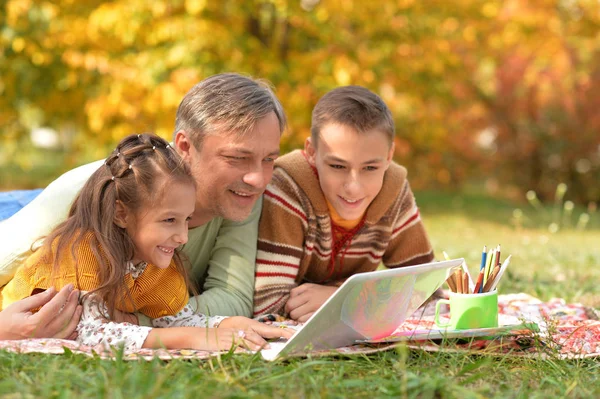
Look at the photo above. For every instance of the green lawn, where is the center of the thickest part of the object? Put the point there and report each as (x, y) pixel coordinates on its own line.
(564, 264)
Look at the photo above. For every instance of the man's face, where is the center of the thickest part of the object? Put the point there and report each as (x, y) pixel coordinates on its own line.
(351, 167)
(232, 172)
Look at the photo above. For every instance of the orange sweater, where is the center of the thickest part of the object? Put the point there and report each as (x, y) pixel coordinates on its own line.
(156, 292)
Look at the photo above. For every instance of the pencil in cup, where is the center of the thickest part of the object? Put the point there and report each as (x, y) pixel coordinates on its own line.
(451, 283)
(459, 281)
(479, 283)
(491, 279)
(455, 282)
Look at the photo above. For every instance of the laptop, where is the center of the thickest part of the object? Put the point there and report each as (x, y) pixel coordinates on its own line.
(368, 306)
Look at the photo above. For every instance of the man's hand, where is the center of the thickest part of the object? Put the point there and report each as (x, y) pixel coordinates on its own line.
(57, 318)
(306, 299)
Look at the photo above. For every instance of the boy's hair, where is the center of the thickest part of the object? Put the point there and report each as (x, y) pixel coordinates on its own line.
(137, 173)
(355, 107)
(229, 103)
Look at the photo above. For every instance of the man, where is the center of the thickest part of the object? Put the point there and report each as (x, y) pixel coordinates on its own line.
(227, 129)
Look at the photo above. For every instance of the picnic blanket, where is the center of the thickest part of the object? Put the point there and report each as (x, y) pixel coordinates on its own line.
(12, 201)
(566, 331)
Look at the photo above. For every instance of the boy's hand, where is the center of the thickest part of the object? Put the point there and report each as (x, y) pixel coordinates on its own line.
(306, 299)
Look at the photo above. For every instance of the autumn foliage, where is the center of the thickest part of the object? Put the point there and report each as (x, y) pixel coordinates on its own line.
(505, 92)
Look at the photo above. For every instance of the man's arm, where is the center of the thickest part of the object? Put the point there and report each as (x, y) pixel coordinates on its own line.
(229, 283)
(57, 318)
(38, 218)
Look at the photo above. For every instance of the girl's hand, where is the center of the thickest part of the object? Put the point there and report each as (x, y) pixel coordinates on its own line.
(227, 338)
(252, 327)
(233, 331)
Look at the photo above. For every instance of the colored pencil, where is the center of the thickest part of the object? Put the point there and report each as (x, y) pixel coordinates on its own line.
(459, 281)
(497, 255)
(479, 284)
(451, 283)
(483, 257)
(491, 279)
(466, 283)
(500, 273)
(488, 265)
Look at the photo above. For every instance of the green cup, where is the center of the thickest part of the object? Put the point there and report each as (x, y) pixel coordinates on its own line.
(470, 311)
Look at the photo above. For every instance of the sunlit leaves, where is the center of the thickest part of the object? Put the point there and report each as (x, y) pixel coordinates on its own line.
(450, 72)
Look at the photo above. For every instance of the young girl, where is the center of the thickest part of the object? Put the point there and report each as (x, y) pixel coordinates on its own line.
(119, 246)
(338, 208)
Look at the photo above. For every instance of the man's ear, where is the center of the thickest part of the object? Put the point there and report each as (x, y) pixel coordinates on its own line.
(310, 151)
(121, 215)
(183, 145)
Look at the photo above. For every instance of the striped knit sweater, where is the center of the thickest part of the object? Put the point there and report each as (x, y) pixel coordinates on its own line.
(295, 234)
(156, 292)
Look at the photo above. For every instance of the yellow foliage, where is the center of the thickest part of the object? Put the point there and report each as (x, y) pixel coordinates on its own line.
(112, 68)
(195, 7)
(18, 44)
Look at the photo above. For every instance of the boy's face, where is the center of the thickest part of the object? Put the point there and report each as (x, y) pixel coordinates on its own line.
(351, 167)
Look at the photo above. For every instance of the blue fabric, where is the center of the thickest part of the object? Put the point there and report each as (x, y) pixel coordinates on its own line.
(12, 201)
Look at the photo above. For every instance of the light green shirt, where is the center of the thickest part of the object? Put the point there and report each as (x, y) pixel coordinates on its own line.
(222, 253)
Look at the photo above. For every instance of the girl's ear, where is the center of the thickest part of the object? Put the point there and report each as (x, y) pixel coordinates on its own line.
(310, 151)
(121, 215)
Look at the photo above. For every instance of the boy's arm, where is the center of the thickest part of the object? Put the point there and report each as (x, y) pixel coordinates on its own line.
(38, 218)
(409, 243)
(283, 225)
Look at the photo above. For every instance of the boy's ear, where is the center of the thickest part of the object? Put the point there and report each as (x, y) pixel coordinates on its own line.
(310, 151)
(121, 215)
(390, 156)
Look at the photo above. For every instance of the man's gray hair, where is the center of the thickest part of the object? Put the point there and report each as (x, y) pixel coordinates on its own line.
(226, 103)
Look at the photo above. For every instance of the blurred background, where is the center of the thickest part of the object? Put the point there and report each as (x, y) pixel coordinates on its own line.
(500, 98)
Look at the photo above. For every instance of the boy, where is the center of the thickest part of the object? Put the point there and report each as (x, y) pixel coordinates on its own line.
(340, 207)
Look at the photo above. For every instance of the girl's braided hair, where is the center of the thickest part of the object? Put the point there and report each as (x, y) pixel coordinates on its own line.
(137, 173)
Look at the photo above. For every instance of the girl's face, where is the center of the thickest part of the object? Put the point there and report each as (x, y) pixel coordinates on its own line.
(158, 230)
(351, 167)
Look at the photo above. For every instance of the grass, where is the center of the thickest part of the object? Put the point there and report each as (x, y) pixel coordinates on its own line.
(564, 264)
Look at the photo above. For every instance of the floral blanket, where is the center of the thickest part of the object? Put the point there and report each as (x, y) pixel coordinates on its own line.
(565, 331)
